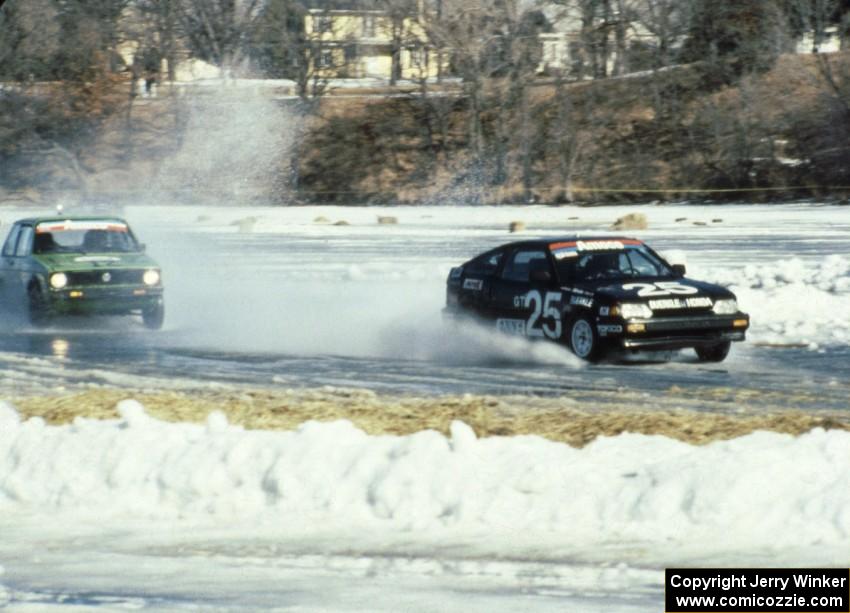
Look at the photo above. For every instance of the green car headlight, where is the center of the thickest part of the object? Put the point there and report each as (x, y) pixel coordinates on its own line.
(151, 277)
(58, 280)
(635, 310)
(726, 307)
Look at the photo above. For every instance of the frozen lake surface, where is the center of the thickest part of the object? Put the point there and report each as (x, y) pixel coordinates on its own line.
(271, 297)
(137, 514)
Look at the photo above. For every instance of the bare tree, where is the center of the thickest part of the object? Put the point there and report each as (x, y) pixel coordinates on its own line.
(218, 31)
(813, 17)
(667, 21)
(161, 18)
(29, 40)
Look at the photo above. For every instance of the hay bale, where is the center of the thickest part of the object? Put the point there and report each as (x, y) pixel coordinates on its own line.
(700, 223)
(321, 219)
(678, 219)
(245, 225)
(717, 220)
(516, 226)
(387, 220)
(632, 221)
(342, 222)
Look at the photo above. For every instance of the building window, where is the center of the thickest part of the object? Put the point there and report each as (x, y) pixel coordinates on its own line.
(369, 28)
(551, 52)
(322, 24)
(350, 52)
(418, 57)
(326, 58)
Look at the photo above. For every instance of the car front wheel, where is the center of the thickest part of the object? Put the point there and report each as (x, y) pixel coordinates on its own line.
(154, 316)
(584, 341)
(36, 306)
(713, 353)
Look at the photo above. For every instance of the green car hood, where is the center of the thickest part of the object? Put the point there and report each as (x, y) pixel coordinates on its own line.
(76, 262)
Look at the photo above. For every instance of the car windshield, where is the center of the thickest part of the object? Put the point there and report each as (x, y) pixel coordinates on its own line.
(76, 237)
(628, 263)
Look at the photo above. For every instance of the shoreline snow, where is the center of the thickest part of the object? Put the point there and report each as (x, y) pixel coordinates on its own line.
(764, 490)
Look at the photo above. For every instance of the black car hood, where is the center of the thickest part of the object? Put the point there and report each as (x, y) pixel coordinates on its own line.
(642, 289)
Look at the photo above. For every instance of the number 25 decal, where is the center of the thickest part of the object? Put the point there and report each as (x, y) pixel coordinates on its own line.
(661, 288)
(544, 308)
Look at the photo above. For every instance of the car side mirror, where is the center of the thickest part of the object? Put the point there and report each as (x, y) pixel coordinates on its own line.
(541, 276)
(679, 270)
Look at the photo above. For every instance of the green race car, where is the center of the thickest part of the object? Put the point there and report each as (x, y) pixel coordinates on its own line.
(79, 265)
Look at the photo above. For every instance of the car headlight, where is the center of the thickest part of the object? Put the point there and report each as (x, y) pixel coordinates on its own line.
(635, 310)
(58, 280)
(151, 277)
(728, 306)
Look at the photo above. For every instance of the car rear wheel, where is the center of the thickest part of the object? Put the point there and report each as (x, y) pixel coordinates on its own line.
(713, 353)
(584, 341)
(154, 316)
(36, 307)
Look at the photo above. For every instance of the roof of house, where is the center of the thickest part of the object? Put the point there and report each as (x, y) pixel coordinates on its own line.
(347, 5)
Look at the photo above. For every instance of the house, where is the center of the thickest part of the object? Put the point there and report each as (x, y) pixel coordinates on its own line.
(592, 45)
(352, 41)
(829, 41)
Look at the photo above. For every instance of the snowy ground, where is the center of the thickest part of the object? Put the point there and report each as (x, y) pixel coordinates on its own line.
(140, 514)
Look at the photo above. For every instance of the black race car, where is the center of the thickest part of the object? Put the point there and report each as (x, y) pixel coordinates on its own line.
(596, 295)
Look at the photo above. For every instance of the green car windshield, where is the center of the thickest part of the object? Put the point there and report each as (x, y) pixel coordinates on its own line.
(84, 237)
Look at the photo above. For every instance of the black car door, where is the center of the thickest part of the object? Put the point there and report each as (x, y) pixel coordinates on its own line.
(525, 297)
(475, 291)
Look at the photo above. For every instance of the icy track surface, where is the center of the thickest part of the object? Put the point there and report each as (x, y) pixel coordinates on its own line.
(284, 297)
(592, 520)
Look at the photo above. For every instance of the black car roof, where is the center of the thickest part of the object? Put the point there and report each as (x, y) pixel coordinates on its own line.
(549, 240)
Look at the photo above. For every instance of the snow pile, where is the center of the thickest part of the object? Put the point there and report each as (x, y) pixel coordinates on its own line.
(765, 489)
(4, 593)
(792, 301)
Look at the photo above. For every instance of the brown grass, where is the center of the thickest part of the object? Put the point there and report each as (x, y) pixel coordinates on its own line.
(558, 419)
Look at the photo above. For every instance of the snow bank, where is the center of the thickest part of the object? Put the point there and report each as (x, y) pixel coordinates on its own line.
(765, 489)
(794, 301)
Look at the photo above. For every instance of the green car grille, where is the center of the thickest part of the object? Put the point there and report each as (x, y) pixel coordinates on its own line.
(106, 277)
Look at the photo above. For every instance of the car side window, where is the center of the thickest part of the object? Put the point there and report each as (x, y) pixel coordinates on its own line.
(523, 262)
(24, 247)
(11, 241)
(486, 264)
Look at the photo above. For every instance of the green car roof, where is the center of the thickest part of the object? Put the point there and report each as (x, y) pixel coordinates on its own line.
(61, 218)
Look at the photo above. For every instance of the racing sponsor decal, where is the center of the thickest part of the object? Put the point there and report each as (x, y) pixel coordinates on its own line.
(61, 226)
(606, 330)
(573, 248)
(680, 303)
(473, 284)
(581, 301)
(660, 288)
(600, 245)
(511, 326)
(96, 258)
